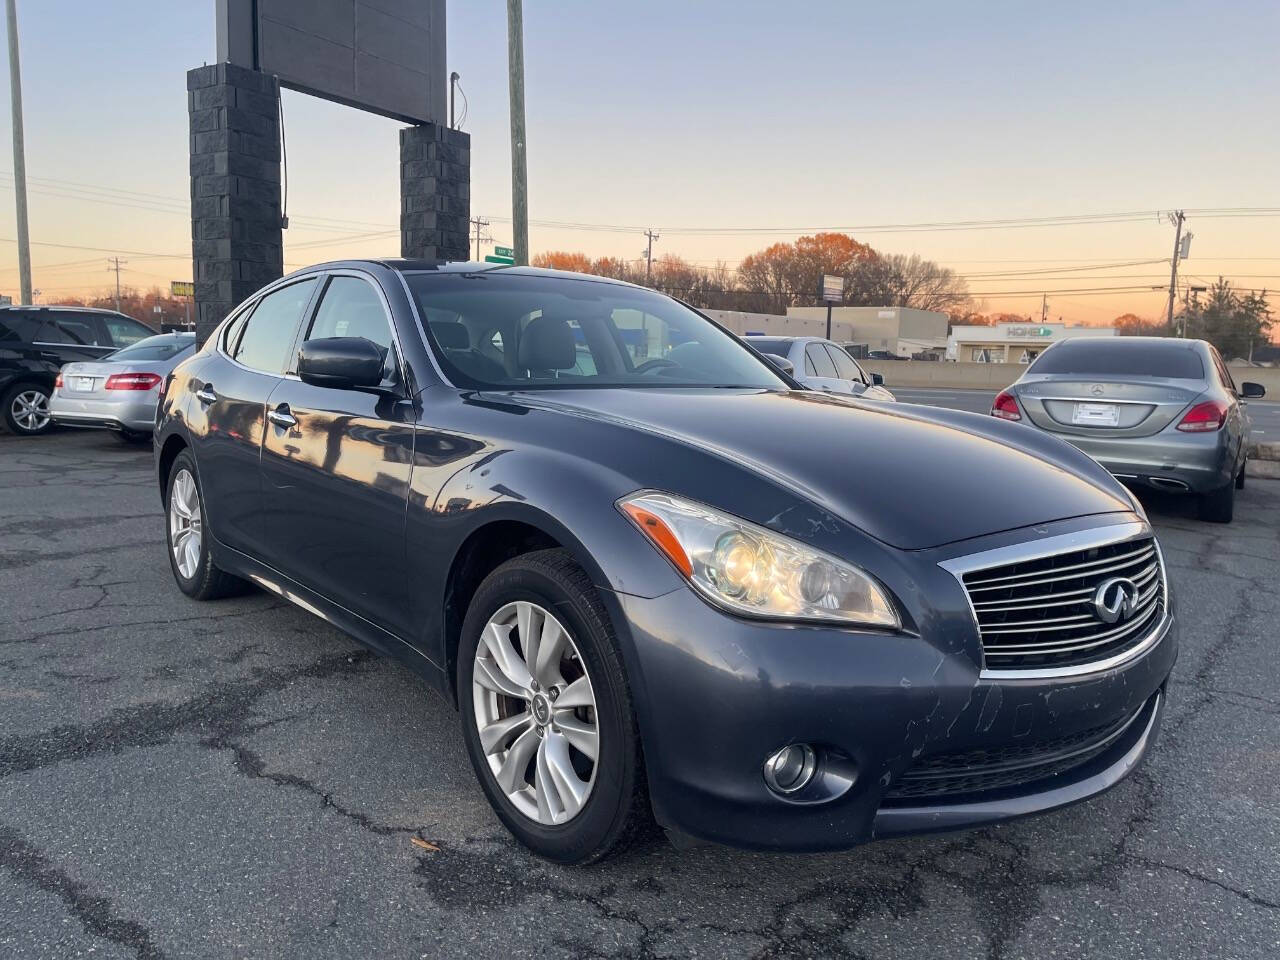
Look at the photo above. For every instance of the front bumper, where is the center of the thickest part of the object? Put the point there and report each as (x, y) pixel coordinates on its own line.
(1169, 460)
(136, 413)
(720, 694)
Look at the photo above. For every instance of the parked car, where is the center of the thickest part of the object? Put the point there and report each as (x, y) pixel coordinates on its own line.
(1155, 411)
(676, 585)
(119, 392)
(822, 365)
(34, 344)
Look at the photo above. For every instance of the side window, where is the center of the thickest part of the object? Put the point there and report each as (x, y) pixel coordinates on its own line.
(269, 331)
(817, 363)
(231, 335)
(15, 325)
(125, 332)
(846, 369)
(351, 307)
(50, 332)
(82, 331)
(1223, 372)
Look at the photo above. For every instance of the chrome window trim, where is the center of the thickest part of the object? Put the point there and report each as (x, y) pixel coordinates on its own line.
(1048, 547)
(252, 305)
(422, 332)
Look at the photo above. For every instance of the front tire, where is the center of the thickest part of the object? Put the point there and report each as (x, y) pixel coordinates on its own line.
(546, 711)
(187, 538)
(1218, 506)
(26, 409)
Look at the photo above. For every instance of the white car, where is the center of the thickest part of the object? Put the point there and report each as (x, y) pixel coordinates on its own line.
(822, 365)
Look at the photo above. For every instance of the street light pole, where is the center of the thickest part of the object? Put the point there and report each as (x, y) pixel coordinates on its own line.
(19, 155)
(519, 179)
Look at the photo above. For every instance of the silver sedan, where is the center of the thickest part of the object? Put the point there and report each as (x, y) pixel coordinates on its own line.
(120, 391)
(1154, 411)
(822, 365)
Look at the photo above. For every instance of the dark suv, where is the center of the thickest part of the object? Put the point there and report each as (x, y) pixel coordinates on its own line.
(34, 344)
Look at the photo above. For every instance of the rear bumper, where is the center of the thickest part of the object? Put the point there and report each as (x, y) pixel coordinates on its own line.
(1169, 460)
(136, 415)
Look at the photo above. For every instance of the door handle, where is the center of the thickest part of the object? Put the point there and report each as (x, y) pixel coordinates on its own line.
(281, 416)
(206, 395)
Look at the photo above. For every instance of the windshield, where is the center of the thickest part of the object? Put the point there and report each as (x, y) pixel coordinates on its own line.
(1100, 357)
(163, 347)
(503, 330)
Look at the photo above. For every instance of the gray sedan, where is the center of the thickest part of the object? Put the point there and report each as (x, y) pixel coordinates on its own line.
(1154, 411)
(822, 365)
(120, 391)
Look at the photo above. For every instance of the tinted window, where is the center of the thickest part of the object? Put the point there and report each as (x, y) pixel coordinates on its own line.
(351, 308)
(125, 331)
(504, 330)
(268, 334)
(1119, 356)
(846, 369)
(817, 363)
(162, 347)
(778, 346)
(81, 330)
(18, 326)
(1223, 373)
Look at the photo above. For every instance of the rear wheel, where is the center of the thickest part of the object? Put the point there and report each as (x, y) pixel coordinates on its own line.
(546, 710)
(132, 437)
(1218, 506)
(26, 409)
(189, 556)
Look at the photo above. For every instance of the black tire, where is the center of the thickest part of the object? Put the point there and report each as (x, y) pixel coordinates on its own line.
(10, 400)
(1218, 506)
(1240, 475)
(207, 581)
(132, 437)
(617, 809)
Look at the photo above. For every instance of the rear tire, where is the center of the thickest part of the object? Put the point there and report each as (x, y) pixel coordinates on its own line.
(26, 409)
(187, 538)
(131, 437)
(1218, 506)
(616, 807)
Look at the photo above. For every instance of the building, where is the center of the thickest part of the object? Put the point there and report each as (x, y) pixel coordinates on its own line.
(900, 331)
(1013, 342)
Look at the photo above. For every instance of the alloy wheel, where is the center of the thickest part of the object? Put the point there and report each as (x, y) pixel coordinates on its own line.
(30, 410)
(185, 524)
(536, 713)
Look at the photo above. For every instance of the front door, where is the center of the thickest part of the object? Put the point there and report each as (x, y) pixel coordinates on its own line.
(336, 466)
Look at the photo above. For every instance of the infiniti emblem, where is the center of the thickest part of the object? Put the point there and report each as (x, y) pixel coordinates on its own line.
(1115, 599)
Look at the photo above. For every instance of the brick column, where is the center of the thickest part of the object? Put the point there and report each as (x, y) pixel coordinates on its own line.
(236, 240)
(435, 192)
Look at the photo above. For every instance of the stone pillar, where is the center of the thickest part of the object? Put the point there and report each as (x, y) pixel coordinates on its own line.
(236, 240)
(435, 192)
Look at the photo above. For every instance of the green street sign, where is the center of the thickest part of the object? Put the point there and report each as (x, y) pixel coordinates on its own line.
(503, 252)
(492, 259)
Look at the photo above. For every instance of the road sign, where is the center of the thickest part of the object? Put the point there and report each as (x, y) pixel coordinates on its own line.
(503, 252)
(182, 288)
(510, 261)
(832, 288)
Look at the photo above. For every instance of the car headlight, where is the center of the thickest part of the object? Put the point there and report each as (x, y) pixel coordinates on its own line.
(749, 570)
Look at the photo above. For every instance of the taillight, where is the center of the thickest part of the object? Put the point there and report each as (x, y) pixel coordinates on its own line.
(57, 384)
(1005, 406)
(132, 381)
(1204, 417)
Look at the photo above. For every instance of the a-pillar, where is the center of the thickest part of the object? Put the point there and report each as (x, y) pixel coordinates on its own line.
(236, 240)
(435, 192)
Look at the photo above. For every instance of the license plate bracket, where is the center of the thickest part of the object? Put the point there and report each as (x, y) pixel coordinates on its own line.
(1096, 415)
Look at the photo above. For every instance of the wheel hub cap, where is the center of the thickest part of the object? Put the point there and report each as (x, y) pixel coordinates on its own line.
(185, 524)
(535, 711)
(30, 410)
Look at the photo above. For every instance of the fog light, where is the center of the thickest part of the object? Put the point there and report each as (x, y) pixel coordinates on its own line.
(791, 768)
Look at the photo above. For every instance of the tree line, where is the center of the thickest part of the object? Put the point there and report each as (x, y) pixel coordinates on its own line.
(141, 305)
(1234, 321)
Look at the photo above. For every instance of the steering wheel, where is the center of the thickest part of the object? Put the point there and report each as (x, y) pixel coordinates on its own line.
(656, 363)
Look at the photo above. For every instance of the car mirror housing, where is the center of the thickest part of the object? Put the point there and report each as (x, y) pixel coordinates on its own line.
(1252, 391)
(782, 363)
(877, 379)
(342, 363)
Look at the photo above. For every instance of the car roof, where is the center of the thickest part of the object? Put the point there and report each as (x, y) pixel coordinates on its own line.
(406, 265)
(61, 309)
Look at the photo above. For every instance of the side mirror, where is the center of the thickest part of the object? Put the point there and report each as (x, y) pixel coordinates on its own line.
(782, 363)
(1252, 391)
(342, 363)
(877, 379)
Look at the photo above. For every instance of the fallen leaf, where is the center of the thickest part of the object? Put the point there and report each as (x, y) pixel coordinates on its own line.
(424, 844)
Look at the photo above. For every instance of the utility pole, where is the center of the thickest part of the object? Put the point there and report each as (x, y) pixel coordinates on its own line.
(1176, 219)
(648, 256)
(19, 156)
(519, 178)
(114, 264)
(1044, 308)
(478, 222)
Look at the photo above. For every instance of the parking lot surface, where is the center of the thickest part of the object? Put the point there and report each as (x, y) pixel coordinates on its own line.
(237, 779)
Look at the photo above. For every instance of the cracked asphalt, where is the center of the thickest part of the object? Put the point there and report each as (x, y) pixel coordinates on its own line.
(237, 779)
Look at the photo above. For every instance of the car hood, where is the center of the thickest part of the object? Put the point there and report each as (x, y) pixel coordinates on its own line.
(911, 476)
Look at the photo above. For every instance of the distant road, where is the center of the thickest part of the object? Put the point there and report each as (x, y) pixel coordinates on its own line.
(1265, 414)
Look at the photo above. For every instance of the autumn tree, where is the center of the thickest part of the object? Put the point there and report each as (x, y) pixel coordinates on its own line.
(923, 284)
(1132, 325)
(563, 260)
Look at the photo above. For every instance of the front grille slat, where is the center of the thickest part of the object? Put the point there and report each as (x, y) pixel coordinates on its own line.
(1040, 612)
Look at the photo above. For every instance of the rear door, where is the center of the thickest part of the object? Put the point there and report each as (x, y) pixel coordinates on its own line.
(336, 466)
(65, 337)
(228, 415)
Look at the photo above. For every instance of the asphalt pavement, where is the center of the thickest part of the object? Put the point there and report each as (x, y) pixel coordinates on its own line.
(1263, 414)
(238, 779)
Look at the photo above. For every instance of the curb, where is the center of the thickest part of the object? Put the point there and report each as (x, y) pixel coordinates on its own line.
(1265, 451)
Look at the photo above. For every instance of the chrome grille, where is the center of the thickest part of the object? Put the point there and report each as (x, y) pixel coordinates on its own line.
(1040, 613)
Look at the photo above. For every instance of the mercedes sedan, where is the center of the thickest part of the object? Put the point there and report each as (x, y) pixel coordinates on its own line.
(654, 574)
(1155, 411)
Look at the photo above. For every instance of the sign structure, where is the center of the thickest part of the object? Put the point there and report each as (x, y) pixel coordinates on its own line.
(1030, 332)
(832, 288)
(384, 56)
(503, 252)
(182, 288)
(510, 261)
